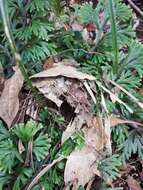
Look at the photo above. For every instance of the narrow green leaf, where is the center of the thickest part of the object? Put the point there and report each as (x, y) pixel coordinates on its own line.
(114, 34)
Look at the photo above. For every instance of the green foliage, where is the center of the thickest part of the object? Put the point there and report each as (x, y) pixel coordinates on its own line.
(4, 179)
(25, 132)
(123, 11)
(8, 151)
(109, 167)
(41, 146)
(76, 141)
(8, 155)
(115, 54)
(86, 13)
(120, 134)
(32, 33)
(133, 145)
(10, 158)
(22, 178)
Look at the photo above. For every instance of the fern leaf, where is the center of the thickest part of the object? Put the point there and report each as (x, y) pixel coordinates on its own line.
(26, 131)
(41, 146)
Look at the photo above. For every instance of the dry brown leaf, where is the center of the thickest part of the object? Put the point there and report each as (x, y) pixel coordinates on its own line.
(52, 89)
(81, 166)
(95, 133)
(21, 147)
(141, 91)
(133, 184)
(48, 63)
(107, 127)
(62, 70)
(9, 102)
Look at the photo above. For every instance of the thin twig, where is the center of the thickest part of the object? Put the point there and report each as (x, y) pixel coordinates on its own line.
(42, 172)
(135, 7)
(73, 50)
(140, 104)
(90, 91)
(113, 95)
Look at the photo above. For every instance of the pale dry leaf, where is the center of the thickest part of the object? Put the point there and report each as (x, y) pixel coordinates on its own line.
(133, 184)
(81, 166)
(95, 133)
(63, 70)
(32, 110)
(52, 88)
(9, 101)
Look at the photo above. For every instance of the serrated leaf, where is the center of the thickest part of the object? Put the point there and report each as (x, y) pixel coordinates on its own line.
(41, 146)
(26, 131)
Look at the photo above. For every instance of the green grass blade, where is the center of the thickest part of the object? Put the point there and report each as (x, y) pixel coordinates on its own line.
(114, 34)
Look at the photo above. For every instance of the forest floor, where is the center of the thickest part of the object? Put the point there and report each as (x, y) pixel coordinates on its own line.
(71, 124)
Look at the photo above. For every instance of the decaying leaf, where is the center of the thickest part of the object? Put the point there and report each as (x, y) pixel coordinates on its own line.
(21, 147)
(82, 164)
(61, 80)
(133, 184)
(9, 102)
(81, 167)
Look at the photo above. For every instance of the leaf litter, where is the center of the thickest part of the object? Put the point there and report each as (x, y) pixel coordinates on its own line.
(79, 90)
(66, 81)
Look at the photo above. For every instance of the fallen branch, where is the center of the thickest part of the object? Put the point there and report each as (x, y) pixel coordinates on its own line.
(42, 172)
(135, 7)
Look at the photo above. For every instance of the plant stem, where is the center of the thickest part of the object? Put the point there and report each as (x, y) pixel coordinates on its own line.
(114, 35)
(9, 35)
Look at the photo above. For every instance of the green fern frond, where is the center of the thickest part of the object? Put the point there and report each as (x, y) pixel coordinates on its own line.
(41, 146)
(133, 145)
(109, 167)
(120, 134)
(22, 178)
(86, 13)
(4, 133)
(8, 155)
(123, 11)
(26, 131)
(4, 180)
(134, 58)
(38, 51)
(39, 5)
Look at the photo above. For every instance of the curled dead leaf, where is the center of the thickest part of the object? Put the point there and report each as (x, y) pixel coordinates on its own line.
(9, 102)
(63, 70)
